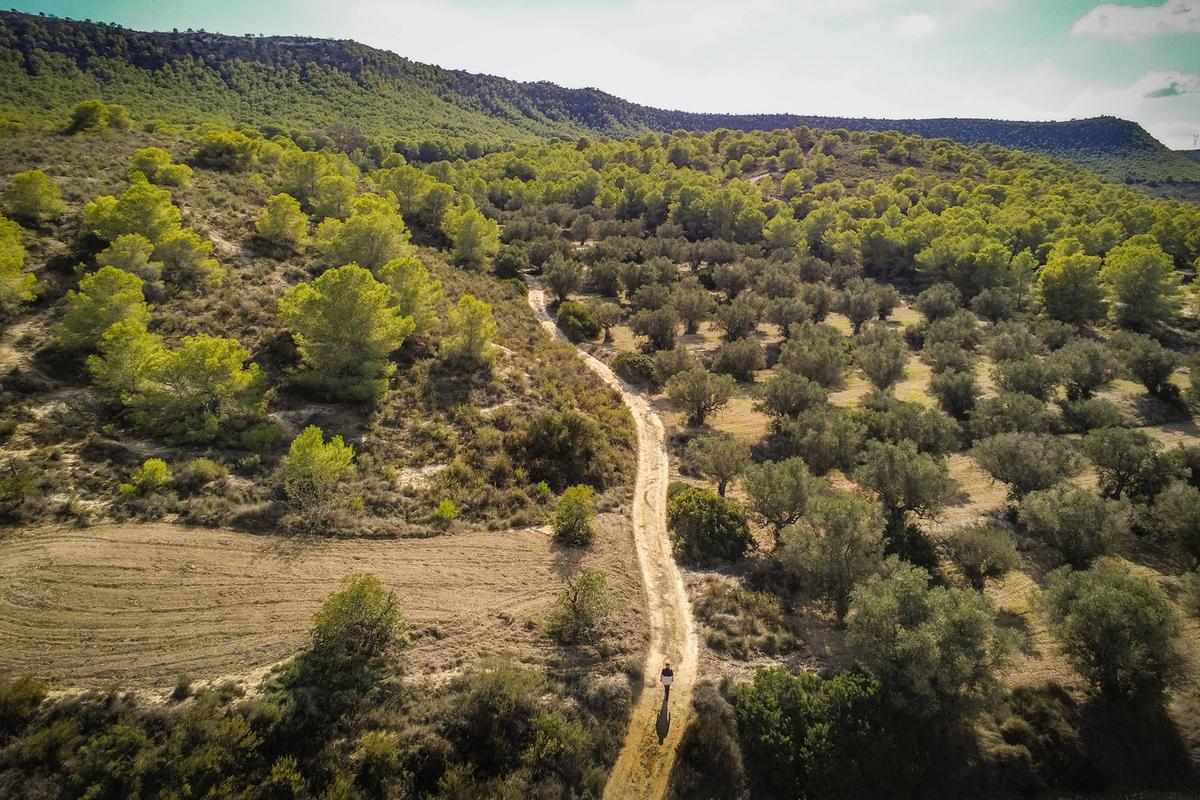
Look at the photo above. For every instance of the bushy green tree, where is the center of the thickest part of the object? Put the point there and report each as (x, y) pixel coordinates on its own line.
(142, 208)
(881, 355)
(983, 551)
(345, 327)
(1150, 362)
(231, 151)
(786, 394)
(836, 545)
(693, 304)
(159, 168)
(1010, 412)
(192, 392)
(127, 354)
(32, 198)
(371, 236)
(282, 224)
(935, 650)
(1118, 628)
(817, 351)
(1084, 366)
(562, 447)
(778, 492)
(1119, 455)
(658, 326)
(314, 471)
(563, 276)
(1077, 522)
(698, 393)
(1069, 289)
(1033, 376)
(475, 239)
(957, 392)
(104, 297)
(187, 261)
(719, 457)
(414, 293)
(905, 480)
(739, 359)
(1175, 517)
(132, 253)
(573, 516)
(1027, 462)
(473, 329)
(16, 285)
(575, 320)
(705, 527)
(334, 197)
(358, 625)
(939, 301)
(804, 736)
(1142, 283)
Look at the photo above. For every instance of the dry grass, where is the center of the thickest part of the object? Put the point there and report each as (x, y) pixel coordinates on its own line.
(139, 604)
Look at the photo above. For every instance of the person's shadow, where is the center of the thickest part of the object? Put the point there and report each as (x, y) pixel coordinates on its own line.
(663, 723)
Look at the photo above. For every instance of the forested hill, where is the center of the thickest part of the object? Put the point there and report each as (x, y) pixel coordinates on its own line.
(47, 64)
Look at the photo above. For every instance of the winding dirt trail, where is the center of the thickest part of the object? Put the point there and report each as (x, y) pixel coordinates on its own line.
(655, 728)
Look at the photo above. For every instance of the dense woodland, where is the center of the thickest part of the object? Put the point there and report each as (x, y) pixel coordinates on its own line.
(303, 84)
(306, 332)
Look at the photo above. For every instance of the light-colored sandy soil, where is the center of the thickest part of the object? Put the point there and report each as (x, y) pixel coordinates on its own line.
(655, 728)
(136, 605)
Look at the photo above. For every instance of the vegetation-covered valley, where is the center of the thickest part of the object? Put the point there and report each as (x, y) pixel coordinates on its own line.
(298, 498)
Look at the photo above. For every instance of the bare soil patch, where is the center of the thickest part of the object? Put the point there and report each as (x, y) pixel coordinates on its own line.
(138, 604)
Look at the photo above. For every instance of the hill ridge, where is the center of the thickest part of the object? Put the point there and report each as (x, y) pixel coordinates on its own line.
(290, 78)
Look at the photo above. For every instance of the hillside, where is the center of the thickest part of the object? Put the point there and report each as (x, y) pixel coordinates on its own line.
(47, 64)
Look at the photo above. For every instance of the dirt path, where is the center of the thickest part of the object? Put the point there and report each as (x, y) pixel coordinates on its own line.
(648, 754)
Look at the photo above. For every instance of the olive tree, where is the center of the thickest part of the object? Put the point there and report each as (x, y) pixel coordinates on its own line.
(1027, 462)
(1077, 522)
(778, 492)
(936, 650)
(837, 544)
(1118, 628)
(720, 458)
(698, 393)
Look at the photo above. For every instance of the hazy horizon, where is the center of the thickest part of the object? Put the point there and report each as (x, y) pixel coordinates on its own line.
(1007, 59)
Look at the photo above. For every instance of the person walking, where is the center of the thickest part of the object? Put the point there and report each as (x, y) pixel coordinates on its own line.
(668, 675)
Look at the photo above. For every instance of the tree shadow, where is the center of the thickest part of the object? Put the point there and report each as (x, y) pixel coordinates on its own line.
(662, 725)
(1136, 746)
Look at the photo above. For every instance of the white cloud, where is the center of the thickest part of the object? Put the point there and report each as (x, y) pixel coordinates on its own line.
(1140, 22)
(916, 26)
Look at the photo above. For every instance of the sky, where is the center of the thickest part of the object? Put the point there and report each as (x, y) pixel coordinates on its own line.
(1011, 59)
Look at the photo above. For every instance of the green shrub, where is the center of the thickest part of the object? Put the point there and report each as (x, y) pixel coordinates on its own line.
(19, 699)
(576, 322)
(32, 197)
(706, 527)
(573, 518)
(446, 511)
(153, 474)
(315, 470)
(198, 473)
(635, 368)
(583, 608)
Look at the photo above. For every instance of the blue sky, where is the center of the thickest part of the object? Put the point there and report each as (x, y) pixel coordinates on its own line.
(1015, 59)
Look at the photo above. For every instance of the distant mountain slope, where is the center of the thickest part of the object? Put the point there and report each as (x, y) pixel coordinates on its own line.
(47, 64)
